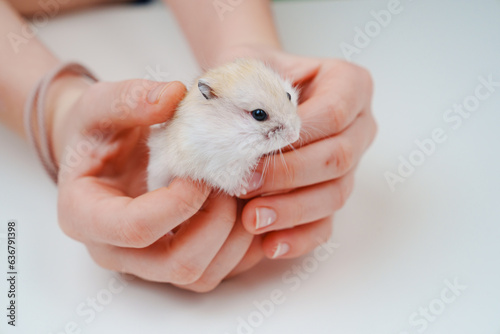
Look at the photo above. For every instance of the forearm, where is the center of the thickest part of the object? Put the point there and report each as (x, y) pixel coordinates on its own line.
(31, 7)
(214, 31)
(24, 61)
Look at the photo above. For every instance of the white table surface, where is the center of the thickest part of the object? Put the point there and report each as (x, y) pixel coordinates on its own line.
(396, 249)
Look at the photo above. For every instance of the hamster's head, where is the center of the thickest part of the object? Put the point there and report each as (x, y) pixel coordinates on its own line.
(257, 104)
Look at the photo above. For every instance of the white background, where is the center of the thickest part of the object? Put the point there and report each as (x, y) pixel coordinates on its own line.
(396, 248)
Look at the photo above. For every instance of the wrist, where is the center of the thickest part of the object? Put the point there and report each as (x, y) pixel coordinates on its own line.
(260, 51)
(273, 55)
(61, 98)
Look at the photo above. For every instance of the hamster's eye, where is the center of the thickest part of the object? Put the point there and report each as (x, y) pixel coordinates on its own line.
(259, 114)
(289, 96)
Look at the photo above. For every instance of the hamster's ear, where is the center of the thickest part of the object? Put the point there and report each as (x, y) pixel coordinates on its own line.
(206, 90)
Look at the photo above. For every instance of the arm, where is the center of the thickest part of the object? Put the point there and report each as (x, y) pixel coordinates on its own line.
(215, 32)
(30, 7)
(24, 62)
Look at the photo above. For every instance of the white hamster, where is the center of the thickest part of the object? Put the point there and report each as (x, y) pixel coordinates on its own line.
(232, 116)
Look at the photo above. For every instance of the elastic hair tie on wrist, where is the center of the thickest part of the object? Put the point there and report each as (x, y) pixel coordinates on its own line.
(34, 115)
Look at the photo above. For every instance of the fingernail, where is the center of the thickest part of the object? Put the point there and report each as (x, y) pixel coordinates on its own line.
(264, 217)
(255, 182)
(281, 250)
(155, 94)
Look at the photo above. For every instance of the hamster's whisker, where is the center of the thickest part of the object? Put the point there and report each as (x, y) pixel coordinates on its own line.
(318, 121)
(295, 151)
(272, 161)
(308, 126)
(266, 164)
(292, 148)
(274, 164)
(284, 165)
(306, 133)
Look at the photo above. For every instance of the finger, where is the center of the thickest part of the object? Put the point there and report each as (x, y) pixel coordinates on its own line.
(179, 258)
(231, 253)
(106, 215)
(318, 162)
(335, 97)
(297, 241)
(301, 206)
(252, 257)
(131, 103)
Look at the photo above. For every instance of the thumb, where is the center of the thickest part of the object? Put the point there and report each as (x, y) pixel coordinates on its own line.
(135, 102)
(297, 69)
(303, 71)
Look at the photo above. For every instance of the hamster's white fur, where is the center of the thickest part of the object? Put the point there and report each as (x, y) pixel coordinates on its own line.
(214, 137)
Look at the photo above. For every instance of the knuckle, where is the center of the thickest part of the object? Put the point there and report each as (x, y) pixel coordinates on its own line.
(345, 157)
(66, 222)
(291, 173)
(326, 235)
(203, 286)
(136, 233)
(323, 232)
(101, 262)
(129, 96)
(298, 213)
(338, 113)
(98, 87)
(187, 207)
(345, 188)
(101, 258)
(360, 73)
(98, 259)
(183, 272)
(132, 92)
(340, 160)
(367, 77)
(356, 69)
(374, 129)
(227, 218)
(129, 86)
(65, 225)
(69, 230)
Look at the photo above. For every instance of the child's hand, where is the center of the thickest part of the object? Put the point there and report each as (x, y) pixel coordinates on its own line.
(338, 126)
(99, 135)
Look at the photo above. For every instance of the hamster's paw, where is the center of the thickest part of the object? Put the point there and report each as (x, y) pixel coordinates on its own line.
(234, 191)
(241, 190)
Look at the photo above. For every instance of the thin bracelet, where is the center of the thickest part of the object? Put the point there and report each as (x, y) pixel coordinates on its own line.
(34, 115)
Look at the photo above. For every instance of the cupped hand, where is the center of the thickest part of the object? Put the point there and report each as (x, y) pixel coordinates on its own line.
(178, 234)
(315, 179)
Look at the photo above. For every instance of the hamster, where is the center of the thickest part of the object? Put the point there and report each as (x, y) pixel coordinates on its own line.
(232, 116)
